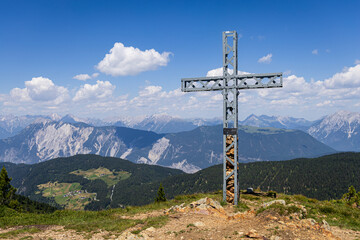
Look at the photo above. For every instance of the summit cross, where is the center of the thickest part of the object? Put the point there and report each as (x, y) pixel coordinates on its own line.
(230, 84)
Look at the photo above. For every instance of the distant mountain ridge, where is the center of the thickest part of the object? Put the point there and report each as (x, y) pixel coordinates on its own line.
(339, 130)
(277, 122)
(189, 151)
(11, 125)
(160, 123)
(163, 123)
(48, 139)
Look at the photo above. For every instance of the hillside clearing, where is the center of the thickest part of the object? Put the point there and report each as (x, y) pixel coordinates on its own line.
(104, 174)
(68, 195)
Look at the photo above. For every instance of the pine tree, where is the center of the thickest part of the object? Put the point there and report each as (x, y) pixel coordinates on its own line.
(160, 194)
(352, 197)
(6, 190)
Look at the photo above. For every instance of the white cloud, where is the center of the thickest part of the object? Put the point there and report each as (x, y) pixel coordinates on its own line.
(150, 91)
(285, 102)
(40, 89)
(324, 103)
(265, 59)
(217, 97)
(299, 97)
(357, 61)
(219, 72)
(176, 93)
(342, 90)
(100, 90)
(122, 61)
(287, 72)
(315, 52)
(350, 77)
(43, 89)
(84, 77)
(20, 95)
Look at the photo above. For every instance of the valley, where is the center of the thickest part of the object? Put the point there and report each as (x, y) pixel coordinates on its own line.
(118, 183)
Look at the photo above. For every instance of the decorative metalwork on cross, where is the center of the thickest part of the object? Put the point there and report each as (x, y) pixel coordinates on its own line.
(230, 84)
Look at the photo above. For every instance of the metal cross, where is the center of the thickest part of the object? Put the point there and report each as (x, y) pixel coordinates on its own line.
(230, 84)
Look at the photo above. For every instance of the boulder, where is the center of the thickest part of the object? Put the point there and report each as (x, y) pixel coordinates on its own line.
(267, 204)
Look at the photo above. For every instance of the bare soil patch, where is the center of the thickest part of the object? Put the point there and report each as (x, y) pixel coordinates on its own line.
(207, 219)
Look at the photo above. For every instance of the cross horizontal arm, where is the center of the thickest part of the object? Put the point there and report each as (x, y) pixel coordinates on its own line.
(247, 81)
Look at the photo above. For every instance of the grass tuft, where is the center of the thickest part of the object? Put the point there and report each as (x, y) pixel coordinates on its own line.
(280, 209)
(14, 233)
(242, 207)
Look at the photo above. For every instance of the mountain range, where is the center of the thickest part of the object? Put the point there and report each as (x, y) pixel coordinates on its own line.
(277, 122)
(189, 151)
(11, 125)
(339, 130)
(31, 139)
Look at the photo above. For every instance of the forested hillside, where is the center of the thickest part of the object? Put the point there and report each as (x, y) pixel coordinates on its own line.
(326, 177)
(99, 182)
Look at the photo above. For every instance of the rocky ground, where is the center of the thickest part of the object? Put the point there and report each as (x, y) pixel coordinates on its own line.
(207, 219)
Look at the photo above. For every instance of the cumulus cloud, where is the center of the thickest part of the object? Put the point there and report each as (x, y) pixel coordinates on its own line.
(342, 90)
(20, 95)
(150, 91)
(122, 61)
(299, 97)
(100, 90)
(84, 77)
(350, 77)
(315, 52)
(265, 59)
(324, 103)
(217, 97)
(40, 89)
(287, 72)
(357, 61)
(219, 72)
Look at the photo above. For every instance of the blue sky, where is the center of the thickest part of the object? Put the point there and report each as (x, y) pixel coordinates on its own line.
(44, 45)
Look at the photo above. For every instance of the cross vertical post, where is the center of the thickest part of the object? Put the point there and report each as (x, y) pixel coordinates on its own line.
(230, 119)
(230, 84)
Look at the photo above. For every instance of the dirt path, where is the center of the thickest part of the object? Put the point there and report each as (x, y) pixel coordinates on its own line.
(208, 220)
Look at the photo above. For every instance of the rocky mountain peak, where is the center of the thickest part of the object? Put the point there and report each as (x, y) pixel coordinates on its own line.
(340, 130)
